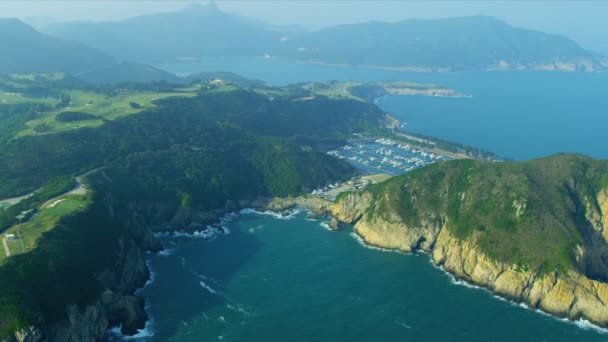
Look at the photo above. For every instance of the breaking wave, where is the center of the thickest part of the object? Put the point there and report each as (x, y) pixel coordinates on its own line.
(208, 288)
(364, 244)
(283, 215)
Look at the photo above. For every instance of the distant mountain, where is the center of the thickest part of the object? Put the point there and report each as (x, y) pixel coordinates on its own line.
(127, 72)
(477, 42)
(194, 31)
(197, 31)
(27, 50)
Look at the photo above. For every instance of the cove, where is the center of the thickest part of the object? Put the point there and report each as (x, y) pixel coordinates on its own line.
(272, 279)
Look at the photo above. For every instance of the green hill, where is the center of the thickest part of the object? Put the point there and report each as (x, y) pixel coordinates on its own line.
(477, 42)
(464, 43)
(193, 32)
(27, 50)
(534, 231)
(160, 157)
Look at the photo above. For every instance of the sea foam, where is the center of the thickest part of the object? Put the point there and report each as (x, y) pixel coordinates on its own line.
(146, 333)
(278, 215)
(364, 244)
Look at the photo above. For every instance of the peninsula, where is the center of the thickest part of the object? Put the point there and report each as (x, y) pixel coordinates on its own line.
(534, 232)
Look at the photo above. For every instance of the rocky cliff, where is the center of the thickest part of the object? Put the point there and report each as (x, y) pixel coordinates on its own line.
(576, 292)
(116, 303)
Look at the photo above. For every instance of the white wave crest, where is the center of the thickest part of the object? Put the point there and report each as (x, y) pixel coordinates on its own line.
(208, 288)
(208, 233)
(166, 252)
(326, 226)
(581, 323)
(364, 244)
(142, 334)
(291, 214)
(150, 280)
(240, 309)
(115, 333)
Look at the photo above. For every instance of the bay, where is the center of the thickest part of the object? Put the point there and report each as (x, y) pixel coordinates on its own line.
(293, 280)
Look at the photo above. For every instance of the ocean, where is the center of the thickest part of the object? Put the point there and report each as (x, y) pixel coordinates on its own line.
(272, 279)
(517, 115)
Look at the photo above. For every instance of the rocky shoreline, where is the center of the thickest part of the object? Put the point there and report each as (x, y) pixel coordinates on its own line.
(572, 295)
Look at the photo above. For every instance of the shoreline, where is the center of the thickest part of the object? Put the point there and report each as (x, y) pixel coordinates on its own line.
(454, 279)
(296, 209)
(445, 70)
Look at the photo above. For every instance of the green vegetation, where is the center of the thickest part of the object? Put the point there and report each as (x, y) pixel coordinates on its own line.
(451, 146)
(43, 221)
(476, 43)
(94, 108)
(531, 214)
(52, 189)
(203, 149)
(38, 285)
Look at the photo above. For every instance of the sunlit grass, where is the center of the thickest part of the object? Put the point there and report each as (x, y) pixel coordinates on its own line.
(103, 106)
(43, 221)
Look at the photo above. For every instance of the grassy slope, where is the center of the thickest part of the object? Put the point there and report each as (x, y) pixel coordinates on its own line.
(43, 221)
(479, 201)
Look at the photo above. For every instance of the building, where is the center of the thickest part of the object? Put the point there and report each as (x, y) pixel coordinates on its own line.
(10, 236)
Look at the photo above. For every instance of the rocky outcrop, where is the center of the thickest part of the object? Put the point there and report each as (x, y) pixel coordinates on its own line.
(318, 206)
(571, 295)
(351, 207)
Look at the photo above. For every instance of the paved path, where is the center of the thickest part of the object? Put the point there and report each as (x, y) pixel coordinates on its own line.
(6, 250)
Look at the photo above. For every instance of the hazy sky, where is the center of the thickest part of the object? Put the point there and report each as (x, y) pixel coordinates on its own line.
(586, 22)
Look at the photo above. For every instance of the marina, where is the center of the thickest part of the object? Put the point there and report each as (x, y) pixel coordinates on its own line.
(385, 156)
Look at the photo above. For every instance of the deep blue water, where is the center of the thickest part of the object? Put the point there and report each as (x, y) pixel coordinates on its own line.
(518, 115)
(293, 280)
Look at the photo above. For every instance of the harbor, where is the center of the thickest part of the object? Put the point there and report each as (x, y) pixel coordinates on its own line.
(385, 156)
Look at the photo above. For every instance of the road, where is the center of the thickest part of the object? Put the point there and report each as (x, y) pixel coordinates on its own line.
(79, 189)
(15, 200)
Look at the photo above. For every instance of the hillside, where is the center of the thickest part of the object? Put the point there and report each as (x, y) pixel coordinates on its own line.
(534, 232)
(193, 32)
(477, 42)
(107, 165)
(27, 50)
(465, 43)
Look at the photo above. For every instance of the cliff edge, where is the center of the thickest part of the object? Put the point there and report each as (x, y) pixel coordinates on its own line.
(533, 232)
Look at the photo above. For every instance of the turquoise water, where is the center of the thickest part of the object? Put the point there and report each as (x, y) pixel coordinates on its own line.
(293, 280)
(518, 115)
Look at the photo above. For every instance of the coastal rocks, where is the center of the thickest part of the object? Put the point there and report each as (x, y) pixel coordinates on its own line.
(124, 310)
(389, 232)
(602, 200)
(334, 224)
(88, 324)
(571, 295)
(352, 207)
(316, 205)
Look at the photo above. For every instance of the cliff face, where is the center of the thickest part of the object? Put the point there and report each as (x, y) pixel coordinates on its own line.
(572, 293)
(116, 303)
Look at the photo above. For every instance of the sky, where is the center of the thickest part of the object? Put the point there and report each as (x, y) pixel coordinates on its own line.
(584, 21)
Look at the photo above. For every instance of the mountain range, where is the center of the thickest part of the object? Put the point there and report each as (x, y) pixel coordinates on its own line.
(477, 42)
(113, 52)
